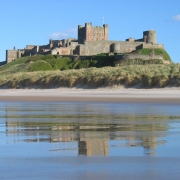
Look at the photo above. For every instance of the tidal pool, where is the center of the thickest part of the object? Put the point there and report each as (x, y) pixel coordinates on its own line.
(48, 140)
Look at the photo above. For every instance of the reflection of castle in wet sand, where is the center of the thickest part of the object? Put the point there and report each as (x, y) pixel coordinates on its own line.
(148, 141)
(92, 140)
(89, 144)
(93, 148)
(93, 143)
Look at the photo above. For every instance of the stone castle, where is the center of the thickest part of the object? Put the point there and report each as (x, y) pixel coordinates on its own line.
(91, 41)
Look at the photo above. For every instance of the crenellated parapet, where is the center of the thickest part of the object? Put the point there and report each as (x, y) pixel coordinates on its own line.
(92, 40)
(92, 33)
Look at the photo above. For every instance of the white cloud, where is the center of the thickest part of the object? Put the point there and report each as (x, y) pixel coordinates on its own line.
(177, 17)
(71, 32)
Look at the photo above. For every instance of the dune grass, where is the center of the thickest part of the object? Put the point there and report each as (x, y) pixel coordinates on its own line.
(147, 76)
(53, 71)
(139, 62)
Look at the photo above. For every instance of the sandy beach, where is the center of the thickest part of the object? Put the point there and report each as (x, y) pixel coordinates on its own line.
(166, 95)
(136, 140)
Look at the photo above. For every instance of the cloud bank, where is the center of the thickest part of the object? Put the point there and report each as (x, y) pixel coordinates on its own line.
(71, 32)
(177, 17)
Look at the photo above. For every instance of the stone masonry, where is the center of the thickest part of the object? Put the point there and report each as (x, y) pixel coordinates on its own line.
(91, 41)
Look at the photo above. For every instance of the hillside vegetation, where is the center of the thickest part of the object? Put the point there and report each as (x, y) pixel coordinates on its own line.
(147, 51)
(50, 72)
(53, 62)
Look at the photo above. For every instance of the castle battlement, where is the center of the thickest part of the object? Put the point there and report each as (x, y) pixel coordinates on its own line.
(92, 40)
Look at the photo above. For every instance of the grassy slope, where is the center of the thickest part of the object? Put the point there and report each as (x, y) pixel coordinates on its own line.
(157, 51)
(50, 62)
(46, 72)
(146, 51)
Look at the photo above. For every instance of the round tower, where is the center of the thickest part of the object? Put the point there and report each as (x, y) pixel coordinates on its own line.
(116, 48)
(149, 36)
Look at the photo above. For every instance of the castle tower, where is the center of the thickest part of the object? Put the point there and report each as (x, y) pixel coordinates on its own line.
(88, 29)
(90, 33)
(105, 31)
(149, 36)
(81, 34)
(64, 43)
(50, 43)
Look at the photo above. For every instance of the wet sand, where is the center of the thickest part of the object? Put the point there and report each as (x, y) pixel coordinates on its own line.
(168, 95)
(133, 153)
(91, 168)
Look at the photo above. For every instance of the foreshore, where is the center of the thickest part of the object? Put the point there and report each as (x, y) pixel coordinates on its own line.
(167, 95)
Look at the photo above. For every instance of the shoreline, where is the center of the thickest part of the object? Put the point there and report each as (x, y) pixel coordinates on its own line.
(116, 95)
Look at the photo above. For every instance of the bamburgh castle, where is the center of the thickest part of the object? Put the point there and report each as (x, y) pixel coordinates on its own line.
(91, 41)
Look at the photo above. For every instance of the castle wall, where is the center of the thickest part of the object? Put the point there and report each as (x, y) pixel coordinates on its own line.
(125, 47)
(141, 56)
(64, 51)
(73, 44)
(29, 47)
(82, 50)
(61, 51)
(93, 48)
(55, 43)
(13, 54)
(97, 47)
(148, 45)
(36, 50)
(43, 48)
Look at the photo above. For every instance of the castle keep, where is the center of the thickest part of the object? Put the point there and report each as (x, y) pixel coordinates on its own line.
(90, 33)
(91, 41)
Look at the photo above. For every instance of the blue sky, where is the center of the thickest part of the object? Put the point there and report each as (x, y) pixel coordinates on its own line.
(34, 22)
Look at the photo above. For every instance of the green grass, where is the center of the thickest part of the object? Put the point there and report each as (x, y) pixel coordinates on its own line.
(53, 62)
(52, 71)
(157, 51)
(59, 63)
(148, 76)
(138, 62)
(40, 65)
